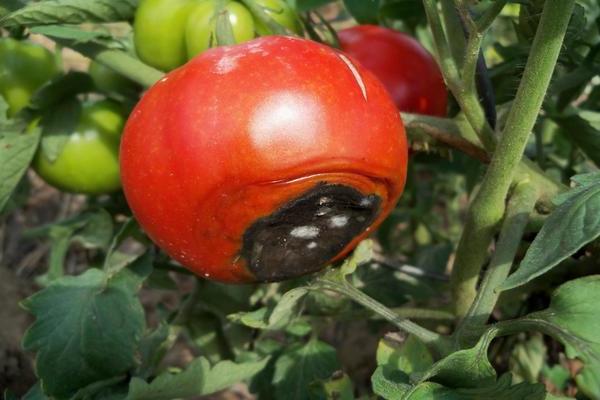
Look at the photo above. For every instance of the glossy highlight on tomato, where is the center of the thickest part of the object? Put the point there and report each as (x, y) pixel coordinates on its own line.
(263, 161)
(407, 70)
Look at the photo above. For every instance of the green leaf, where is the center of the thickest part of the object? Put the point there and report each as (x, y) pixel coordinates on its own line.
(574, 319)
(391, 385)
(19, 196)
(362, 254)
(97, 230)
(91, 229)
(49, 12)
(501, 390)
(197, 379)
(592, 178)
(57, 126)
(363, 11)
(99, 388)
(557, 375)
(583, 128)
(59, 89)
(465, 368)
(527, 359)
(287, 308)
(112, 255)
(409, 356)
(87, 327)
(573, 224)
(257, 319)
(302, 365)
(16, 152)
(299, 327)
(550, 396)
(338, 387)
(8, 6)
(405, 10)
(35, 393)
(153, 347)
(588, 381)
(284, 311)
(70, 32)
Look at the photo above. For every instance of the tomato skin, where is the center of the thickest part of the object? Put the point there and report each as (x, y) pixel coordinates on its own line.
(167, 33)
(200, 163)
(89, 161)
(281, 13)
(407, 70)
(24, 67)
(108, 81)
(159, 32)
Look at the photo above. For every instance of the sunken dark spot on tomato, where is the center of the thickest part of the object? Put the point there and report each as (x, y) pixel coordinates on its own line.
(306, 233)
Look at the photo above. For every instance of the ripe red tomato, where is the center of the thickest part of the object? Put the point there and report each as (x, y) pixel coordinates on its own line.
(263, 161)
(407, 70)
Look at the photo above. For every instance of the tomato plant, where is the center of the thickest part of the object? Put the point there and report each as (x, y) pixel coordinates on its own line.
(168, 33)
(276, 159)
(88, 162)
(24, 67)
(407, 70)
(297, 181)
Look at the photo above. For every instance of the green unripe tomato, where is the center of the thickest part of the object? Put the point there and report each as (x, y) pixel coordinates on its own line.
(167, 33)
(280, 12)
(108, 81)
(24, 67)
(159, 32)
(89, 162)
(200, 33)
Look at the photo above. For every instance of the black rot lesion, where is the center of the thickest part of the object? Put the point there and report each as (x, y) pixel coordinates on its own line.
(303, 235)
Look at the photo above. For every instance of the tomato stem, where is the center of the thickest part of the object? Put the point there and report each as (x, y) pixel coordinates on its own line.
(487, 208)
(518, 210)
(117, 60)
(459, 136)
(436, 341)
(466, 96)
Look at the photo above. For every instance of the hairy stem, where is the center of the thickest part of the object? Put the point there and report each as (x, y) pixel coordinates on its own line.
(454, 30)
(487, 208)
(466, 96)
(519, 208)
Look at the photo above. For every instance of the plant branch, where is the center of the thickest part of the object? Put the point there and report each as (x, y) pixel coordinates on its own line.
(455, 141)
(518, 210)
(487, 18)
(453, 134)
(117, 60)
(487, 208)
(454, 30)
(435, 340)
(466, 96)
